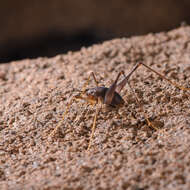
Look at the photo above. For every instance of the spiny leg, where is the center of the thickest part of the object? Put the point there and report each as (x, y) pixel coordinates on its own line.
(163, 77)
(94, 125)
(94, 77)
(141, 107)
(111, 91)
(124, 81)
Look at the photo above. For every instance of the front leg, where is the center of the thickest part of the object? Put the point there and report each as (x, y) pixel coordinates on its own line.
(63, 117)
(94, 123)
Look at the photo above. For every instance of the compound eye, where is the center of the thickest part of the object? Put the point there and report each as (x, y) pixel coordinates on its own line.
(87, 91)
(91, 92)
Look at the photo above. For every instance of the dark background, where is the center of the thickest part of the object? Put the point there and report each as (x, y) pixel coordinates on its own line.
(36, 28)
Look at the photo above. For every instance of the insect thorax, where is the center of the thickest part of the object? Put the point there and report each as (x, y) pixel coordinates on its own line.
(100, 92)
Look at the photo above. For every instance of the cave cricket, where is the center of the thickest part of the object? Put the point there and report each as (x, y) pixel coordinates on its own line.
(110, 96)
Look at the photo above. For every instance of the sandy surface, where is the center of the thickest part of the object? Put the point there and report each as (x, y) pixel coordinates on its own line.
(125, 153)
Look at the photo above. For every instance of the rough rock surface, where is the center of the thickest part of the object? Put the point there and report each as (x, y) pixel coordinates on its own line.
(125, 153)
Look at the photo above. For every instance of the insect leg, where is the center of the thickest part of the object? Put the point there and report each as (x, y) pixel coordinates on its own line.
(124, 81)
(110, 92)
(163, 77)
(141, 107)
(87, 82)
(94, 124)
(94, 77)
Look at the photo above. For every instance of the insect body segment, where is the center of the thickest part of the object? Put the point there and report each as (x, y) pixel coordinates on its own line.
(100, 92)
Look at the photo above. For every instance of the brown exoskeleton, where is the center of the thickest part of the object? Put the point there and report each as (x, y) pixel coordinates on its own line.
(111, 96)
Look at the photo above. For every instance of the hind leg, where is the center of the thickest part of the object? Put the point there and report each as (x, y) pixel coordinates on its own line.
(141, 107)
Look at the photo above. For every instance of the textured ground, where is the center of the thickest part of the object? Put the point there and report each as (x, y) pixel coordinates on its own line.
(125, 153)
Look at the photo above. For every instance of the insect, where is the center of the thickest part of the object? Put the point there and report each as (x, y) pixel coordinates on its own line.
(110, 96)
